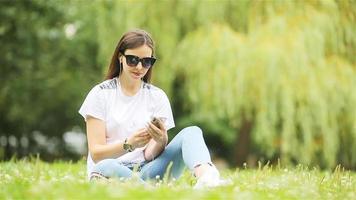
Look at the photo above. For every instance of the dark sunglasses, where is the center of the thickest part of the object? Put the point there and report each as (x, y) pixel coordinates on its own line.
(133, 61)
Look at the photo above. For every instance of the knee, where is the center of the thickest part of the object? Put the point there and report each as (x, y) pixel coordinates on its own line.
(192, 131)
(195, 130)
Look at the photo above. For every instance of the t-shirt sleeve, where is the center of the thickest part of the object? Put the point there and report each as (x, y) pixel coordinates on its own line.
(164, 111)
(94, 105)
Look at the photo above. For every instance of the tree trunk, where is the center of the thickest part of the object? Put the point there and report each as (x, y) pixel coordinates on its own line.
(242, 143)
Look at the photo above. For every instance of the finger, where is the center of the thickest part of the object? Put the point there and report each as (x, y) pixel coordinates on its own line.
(154, 128)
(140, 131)
(161, 124)
(155, 136)
(158, 133)
(147, 137)
(144, 134)
(151, 132)
(149, 129)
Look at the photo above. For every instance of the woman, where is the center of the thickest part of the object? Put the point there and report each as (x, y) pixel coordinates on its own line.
(118, 114)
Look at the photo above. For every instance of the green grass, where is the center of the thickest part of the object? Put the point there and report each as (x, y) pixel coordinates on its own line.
(60, 180)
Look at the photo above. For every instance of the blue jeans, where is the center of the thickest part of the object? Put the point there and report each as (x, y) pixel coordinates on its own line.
(186, 149)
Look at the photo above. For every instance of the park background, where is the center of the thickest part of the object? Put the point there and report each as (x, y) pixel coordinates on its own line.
(266, 80)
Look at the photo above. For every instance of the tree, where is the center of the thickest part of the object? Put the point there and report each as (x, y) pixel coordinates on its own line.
(42, 71)
(285, 87)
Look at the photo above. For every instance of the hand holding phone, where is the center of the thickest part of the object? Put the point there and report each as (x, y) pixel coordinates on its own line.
(155, 121)
(157, 130)
(158, 121)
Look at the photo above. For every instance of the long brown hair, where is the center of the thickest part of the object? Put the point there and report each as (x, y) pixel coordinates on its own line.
(130, 40)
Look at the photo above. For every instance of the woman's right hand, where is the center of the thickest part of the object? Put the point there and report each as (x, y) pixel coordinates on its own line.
(139, 138)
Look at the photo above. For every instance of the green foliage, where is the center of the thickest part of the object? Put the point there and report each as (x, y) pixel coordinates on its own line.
(42, 70)
(39, 180)
(287, 75)
(168, 22)
(286, 67)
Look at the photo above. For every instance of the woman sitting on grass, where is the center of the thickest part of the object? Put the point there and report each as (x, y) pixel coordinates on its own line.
(120, 131)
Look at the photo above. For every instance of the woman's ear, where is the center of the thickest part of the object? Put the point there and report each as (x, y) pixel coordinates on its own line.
(120, 59)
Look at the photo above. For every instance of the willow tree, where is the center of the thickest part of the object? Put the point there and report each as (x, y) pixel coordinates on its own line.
(277, 73)
(288, 84)
(168, 22)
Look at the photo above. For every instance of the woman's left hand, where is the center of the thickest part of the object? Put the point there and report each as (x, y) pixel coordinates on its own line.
(158, 134)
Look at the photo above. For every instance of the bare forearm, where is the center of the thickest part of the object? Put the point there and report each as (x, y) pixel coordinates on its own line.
(103, 151)
(153, 149)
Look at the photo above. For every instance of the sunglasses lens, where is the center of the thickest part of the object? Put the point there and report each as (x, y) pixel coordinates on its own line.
(132, 61)
(148, 62)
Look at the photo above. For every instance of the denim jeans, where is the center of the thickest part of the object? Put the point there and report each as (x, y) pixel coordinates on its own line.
(187, 148)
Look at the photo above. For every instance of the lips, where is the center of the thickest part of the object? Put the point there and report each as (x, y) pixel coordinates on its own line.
(136, 74)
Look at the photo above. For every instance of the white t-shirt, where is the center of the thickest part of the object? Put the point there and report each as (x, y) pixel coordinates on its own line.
(123, 115)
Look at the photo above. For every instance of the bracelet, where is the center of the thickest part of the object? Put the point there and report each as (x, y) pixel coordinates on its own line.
(127, 147)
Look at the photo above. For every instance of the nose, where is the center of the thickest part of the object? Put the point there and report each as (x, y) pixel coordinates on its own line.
(139, 65)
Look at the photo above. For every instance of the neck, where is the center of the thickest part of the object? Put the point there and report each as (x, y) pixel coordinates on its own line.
(129, 87)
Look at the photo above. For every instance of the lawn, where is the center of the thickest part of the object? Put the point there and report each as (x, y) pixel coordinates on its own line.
(64, 180)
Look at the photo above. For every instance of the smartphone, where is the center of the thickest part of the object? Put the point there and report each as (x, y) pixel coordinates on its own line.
(155, 121)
